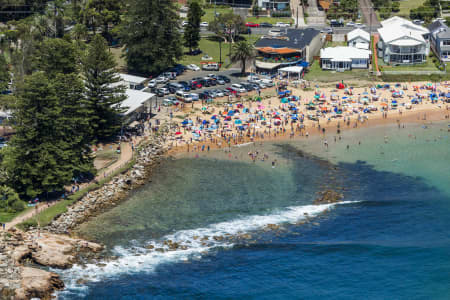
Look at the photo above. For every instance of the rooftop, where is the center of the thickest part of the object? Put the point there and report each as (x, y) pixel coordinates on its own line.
(396, 28)
(132, 78)
(344, 53)
(135, 99)
(291, 38)
(358, 32)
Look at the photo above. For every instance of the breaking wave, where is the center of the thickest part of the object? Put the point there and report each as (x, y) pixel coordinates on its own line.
(183, 245)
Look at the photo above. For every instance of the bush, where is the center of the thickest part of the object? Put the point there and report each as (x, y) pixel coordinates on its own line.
(281, 14)
(395, 6)
(17, 206)
(25, 225)
(9, 200)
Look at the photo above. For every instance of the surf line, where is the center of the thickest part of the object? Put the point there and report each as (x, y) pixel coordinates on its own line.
(189, 244)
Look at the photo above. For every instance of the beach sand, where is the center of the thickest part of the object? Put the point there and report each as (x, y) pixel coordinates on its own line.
(424, 112)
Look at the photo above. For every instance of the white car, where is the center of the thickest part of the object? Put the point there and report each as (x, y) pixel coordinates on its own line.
(359, 25)
(282, 24)
(204, 24)
(194, 96)
(184, 23)
(193, 67)
(350, 24)
(152, 83)
(161, 79)
(238, 88)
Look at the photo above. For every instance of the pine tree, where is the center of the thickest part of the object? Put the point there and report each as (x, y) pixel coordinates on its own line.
(103, 92)
(192, 29)
(36, 158)
(57, 56)
(151, 36)
(4, 74)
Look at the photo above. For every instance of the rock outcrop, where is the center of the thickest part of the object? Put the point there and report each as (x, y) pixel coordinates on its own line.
(329, 196)
(37, 283)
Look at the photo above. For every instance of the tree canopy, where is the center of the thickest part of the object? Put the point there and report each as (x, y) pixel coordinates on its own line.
(150, 34)
(242, 52)
(192, 29)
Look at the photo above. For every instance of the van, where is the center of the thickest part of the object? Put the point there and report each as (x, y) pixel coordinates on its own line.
(182, 96)
(211, 67)
(238, 88)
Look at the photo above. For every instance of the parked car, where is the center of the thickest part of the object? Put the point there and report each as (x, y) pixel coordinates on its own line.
(161, 79)
(186, 86)
(162, 91)
(350, 24)
(238, 88)
(170, 75)
(265, 24)
(204, 24)
(195, 84)
(282, 24)
(184, 23)
(219, 93)
(152, 83)
(195, 96)
(211, 67)
(251, 24)
(247, 86)
(336, 23)
(359, 25)
(193, 67)
(224, 78)
(328, 30)
(220, 81)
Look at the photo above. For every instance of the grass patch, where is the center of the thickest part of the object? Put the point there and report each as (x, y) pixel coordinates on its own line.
(334, 44)
(317, 74)
(406, 6)
(7, 217)
(117, 53)
(46, 216)
(209, 13)
(427, 66)
(268, 20)
(210, 45)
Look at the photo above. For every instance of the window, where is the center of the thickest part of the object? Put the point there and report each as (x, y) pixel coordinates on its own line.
(446, 42)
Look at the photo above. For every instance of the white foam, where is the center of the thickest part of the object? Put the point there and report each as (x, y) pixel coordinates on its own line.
(140, 259)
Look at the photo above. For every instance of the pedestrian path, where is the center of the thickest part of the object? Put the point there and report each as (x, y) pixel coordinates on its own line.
(126, 154)
(297, 13)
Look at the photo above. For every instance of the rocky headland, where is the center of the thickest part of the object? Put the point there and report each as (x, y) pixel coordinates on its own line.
(26, 256)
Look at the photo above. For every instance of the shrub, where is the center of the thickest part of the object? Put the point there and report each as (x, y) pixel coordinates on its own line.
(17, 206)
(9, 200)
(25, 225)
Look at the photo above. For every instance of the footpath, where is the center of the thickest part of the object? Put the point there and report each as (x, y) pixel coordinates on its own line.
(126, 154)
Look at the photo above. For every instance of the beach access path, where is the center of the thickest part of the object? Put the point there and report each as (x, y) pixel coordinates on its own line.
(126, 154)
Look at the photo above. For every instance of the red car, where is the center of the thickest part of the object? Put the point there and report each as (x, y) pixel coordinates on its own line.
(251, 24)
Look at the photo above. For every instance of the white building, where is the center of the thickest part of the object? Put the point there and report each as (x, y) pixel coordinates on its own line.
(403, 42)
(132, 81)
(358, 38)
(344, 58)
(273, 4)
(136, 102)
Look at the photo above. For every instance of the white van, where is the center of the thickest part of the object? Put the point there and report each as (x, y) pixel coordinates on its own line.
(182, 96)
(238, 88)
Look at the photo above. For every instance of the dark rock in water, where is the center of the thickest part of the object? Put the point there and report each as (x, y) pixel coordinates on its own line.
(329, 197)
(150, 247)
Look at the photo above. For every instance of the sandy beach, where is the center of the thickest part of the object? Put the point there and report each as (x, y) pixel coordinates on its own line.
(210, 126)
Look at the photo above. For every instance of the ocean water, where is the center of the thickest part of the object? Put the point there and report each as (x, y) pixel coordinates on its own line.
(246, 230)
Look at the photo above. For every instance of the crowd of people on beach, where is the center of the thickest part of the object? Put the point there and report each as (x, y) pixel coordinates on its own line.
(291, 111)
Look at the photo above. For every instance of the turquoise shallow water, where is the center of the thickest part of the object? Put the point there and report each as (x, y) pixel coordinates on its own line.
(389, 239)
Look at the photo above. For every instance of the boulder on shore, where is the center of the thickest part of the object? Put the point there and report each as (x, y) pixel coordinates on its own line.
(38, 283)
(329, 196)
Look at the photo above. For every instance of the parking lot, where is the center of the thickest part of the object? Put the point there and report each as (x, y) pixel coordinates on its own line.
(233, 74)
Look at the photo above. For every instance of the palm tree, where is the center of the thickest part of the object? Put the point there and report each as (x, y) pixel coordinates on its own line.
(242, 52)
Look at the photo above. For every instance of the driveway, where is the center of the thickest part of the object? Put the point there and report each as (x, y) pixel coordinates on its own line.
(315, 16)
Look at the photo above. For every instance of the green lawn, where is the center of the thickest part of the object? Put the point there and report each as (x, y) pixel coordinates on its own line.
(427, 66)
(317, 74)
(334, 44)
(6, 217)
(209, 13)
(117, 53)
(210, 45)
(268, 20)
(406, 6)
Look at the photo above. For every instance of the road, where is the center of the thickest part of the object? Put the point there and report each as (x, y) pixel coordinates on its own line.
(370, 18)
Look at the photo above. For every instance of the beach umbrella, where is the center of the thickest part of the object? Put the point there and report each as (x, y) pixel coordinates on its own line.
(383, 104)
(284, 100)
(214, 117)
(237, 121)
(178, 133)
(316, 96)
(185, 122)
